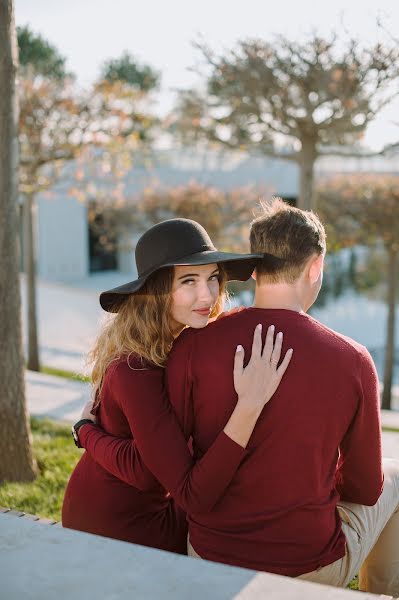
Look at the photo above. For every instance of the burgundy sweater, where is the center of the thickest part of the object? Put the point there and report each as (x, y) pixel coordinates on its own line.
(317, 440)
(116, 495)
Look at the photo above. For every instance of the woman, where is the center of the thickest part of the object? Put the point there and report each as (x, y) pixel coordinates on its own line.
(137, 489)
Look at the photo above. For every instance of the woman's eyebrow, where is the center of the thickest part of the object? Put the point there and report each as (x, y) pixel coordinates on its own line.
(188, 275)
(195, 274)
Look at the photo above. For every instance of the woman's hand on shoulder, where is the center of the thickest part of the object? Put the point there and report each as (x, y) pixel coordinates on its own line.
(256, 383)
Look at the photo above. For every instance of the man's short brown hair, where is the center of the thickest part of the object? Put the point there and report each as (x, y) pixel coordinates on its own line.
(288, 233)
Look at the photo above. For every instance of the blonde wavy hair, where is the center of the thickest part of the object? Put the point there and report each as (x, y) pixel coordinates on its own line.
(142, 326)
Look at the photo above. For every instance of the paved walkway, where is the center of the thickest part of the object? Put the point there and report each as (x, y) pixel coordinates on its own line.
(63, 399)
(55, 397)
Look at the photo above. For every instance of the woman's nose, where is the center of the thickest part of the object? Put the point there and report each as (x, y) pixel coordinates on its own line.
(205, 292)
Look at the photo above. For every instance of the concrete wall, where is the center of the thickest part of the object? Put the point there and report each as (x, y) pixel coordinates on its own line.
(126, 246)
(62, 238)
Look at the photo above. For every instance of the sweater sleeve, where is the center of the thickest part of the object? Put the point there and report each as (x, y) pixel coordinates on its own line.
(159, 441)
(360, 475)
(118, 456)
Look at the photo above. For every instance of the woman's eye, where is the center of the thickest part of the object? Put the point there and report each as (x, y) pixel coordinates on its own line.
(214, 277)
(187, 281)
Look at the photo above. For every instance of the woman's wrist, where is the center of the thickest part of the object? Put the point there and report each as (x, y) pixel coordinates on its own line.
(248, 409)
(242, 422)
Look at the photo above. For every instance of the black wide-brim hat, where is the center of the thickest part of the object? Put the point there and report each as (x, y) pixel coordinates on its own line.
(177, 242)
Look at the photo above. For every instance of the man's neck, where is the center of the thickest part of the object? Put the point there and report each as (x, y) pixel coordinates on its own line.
(278, 295)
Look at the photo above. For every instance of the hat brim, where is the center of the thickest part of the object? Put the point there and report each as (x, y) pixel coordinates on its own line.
(238, 267)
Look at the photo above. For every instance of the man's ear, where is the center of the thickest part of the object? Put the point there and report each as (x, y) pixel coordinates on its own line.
(254, 274)
(316, 268)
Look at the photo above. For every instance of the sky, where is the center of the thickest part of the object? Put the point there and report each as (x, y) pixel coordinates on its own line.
(161, 32)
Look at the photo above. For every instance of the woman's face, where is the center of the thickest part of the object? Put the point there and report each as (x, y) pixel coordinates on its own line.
(195, 290)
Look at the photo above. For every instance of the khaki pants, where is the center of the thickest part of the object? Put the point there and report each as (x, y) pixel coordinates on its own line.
(372, 542)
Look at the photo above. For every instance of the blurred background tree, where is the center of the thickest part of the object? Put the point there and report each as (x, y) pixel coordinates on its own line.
(364, 209)
(46, 106)
(57, 123)
(291, 100)
(226, 215)
(127, 69)
(35, 51)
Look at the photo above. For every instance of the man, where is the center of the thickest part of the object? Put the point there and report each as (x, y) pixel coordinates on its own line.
(309, 499)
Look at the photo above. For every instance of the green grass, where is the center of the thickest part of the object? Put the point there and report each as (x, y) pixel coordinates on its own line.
(394, 429)
(354, 584)
(56, 456)
(65, 374)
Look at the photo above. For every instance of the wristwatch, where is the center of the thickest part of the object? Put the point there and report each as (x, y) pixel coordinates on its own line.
(75, 430)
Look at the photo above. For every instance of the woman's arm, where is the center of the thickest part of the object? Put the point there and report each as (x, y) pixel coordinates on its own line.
(159, 444)
(113, 456)
(160, 441)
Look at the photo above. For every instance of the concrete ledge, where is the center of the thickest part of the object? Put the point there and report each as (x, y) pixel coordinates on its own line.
(50, 562)
(19, 513)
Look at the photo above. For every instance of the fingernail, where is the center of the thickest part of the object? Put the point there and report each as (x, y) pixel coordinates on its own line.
(291, 350)
(259, 326)
(272, 328)
(280, 334)
(239, 348)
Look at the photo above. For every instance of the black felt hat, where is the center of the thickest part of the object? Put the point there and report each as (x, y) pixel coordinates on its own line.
(177, 242)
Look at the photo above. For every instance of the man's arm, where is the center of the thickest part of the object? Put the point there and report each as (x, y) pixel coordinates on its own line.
(360, 476)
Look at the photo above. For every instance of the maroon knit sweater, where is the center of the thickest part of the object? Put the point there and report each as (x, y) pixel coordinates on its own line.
(117, 495)
(317, 440)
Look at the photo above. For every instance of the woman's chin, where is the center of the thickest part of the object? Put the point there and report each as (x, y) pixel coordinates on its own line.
(198, 322)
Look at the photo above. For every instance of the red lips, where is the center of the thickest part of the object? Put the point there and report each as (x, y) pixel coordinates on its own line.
(204, 312)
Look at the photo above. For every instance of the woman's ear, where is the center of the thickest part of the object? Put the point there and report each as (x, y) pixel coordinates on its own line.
(254, 274)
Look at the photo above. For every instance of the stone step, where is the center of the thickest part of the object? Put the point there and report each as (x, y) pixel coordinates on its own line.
(51, 562)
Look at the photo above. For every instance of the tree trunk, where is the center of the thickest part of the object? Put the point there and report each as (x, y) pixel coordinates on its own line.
(30, 270)
(393, 274)
(16, 461)
(308, 155)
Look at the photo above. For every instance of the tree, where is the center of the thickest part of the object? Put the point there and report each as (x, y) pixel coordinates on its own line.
(224, 214)
(56, 124)
(43, 73)
(290, 100)
(128, 70)
(16, 460)
(364, 209)
(37, 52)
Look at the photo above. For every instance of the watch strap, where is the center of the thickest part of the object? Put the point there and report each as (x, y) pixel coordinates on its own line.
(75, 430)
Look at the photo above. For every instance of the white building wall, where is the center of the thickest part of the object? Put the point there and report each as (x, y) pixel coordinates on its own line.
(126, 246)
(62, 238)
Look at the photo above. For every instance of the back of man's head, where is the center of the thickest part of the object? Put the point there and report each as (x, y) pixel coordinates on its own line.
(288, 233)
